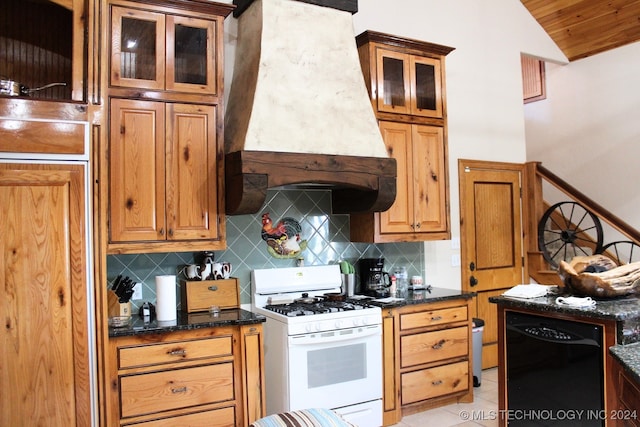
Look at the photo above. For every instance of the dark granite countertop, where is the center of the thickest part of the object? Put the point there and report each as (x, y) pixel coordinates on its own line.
(425, 296)
(188, 321)
(629, 357)
(618, 309)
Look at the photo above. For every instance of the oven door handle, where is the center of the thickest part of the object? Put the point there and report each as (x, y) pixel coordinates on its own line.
(335, 336)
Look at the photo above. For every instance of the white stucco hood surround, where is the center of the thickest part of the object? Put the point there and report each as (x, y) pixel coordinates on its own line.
(297, 84)
(298, 88)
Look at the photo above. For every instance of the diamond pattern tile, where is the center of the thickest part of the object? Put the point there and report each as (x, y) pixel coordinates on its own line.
(327, 238)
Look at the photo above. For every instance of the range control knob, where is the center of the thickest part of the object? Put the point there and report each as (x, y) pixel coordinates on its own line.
(338, 324)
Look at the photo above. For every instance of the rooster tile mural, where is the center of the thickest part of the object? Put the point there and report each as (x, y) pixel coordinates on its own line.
(283, 239)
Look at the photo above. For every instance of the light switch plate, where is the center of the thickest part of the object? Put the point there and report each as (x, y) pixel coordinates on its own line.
(455, 260)
(455, 243)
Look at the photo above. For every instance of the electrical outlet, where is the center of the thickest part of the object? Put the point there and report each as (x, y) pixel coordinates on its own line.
(137, 291)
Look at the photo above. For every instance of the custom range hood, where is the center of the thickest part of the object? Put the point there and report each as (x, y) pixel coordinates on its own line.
(298, 113)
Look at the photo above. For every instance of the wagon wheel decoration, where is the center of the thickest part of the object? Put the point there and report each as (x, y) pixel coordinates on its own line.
(622, 252)
(567, 230)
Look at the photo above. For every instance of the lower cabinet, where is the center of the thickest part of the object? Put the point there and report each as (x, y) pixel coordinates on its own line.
(627, 414)
(427, 357)
(195, 378)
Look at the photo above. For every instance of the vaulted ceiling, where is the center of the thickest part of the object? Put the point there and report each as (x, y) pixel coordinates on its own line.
(583, 28)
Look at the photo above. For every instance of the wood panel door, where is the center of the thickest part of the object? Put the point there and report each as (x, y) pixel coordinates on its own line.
(137, 171)
(492, 241)
(400, 217)
(192, 172)
(430, 178)
(45, 365)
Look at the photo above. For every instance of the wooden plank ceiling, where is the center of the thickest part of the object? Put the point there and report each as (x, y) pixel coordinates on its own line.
(583, 28)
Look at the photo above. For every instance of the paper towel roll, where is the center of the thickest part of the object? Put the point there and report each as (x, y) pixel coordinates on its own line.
(166, 298)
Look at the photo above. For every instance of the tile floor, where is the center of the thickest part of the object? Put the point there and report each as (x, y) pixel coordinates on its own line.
(482, 412)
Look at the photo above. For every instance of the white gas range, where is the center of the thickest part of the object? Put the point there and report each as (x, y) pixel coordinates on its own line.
(319, 352)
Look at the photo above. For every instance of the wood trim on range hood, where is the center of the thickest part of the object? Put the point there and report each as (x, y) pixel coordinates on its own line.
(357, 184)
(345, 5)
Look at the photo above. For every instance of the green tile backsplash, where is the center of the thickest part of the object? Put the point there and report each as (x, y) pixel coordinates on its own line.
(327, 237)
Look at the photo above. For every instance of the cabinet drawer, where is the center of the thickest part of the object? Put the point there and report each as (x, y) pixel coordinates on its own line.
(40, 137)
(432, 317)
(217, 418)
(178, 388)
(156, 354)
(429, 347)
(434, 382)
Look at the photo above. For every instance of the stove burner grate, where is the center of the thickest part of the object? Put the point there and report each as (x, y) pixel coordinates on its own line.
(295, 309)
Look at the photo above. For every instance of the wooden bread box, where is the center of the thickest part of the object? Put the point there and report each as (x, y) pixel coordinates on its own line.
(200, 295)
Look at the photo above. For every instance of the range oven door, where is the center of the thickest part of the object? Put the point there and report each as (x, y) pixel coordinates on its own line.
(336, 368)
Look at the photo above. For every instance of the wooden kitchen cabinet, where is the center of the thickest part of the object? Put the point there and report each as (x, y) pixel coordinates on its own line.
(46, 340)
(156, 50)
(427, 357)
(405, 79)
(628, 390)
(204, 377)
(420, 209)
(164, 149)
(408, 84)
(163, 163)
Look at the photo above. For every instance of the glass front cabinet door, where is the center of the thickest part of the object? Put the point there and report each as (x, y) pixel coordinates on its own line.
(156, 51)
(408, 84)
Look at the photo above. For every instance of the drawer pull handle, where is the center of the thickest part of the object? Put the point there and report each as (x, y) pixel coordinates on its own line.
(178, 352)
(438, 345)
(213, 288)
(436, 318)
(179, 390)
(436, 382)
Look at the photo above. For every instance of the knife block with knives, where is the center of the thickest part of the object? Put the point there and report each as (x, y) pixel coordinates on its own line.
(119, 297)
(117, 308)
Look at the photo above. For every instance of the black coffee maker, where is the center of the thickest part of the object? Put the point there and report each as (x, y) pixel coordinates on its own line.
(374, 281)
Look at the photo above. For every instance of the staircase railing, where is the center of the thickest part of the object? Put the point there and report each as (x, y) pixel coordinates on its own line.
(535, 206)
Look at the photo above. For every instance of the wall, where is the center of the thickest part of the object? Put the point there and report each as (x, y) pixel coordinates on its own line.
(326, 237)
(587, 130)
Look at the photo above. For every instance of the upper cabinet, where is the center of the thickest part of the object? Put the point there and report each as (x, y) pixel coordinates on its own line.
(162, 51)
(406, 81)
(164, 147)
(408, 84)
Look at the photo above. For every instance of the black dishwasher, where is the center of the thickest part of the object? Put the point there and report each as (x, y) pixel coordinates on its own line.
(555, 373)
